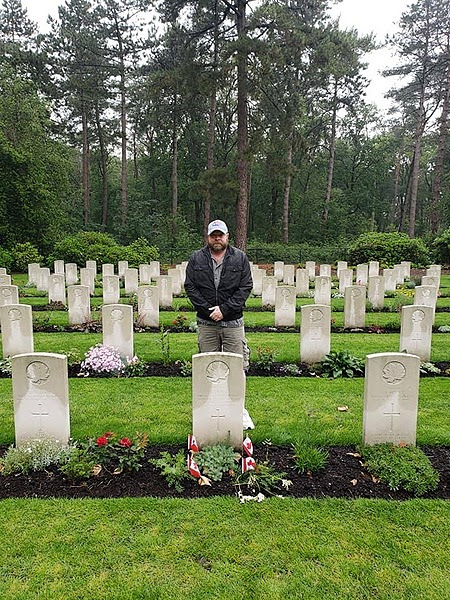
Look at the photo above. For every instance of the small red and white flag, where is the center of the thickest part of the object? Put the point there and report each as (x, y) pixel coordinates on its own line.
(248, 446)
(193, 468)
(248, 464)
(192, 443)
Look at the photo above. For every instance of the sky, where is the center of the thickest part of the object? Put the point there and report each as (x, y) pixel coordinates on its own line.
(367, 16)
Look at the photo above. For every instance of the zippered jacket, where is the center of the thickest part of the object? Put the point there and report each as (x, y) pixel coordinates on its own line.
(234, 288)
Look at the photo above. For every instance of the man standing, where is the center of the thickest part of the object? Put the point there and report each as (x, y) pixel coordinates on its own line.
(218, 283)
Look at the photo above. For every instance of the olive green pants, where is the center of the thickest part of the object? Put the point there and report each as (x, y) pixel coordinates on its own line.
(214, 338)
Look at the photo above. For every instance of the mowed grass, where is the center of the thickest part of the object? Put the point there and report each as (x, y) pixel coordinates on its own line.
(283, 409)
(174, 549)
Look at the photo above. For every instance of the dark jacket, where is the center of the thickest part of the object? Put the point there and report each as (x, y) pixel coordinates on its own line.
(234, 288)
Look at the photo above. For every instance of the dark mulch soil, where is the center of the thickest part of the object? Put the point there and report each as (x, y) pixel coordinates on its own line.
(343, 477)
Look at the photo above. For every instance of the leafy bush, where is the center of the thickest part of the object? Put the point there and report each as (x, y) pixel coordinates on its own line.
(341, 364)
(5, 259)
(22, 255)
(173, 468)
(265, 359)
(116, 454)
(309, 458)
(263, 478)
(388, 249)
(404, 467)
(216, 460)
(78, 464)
(139, 252)
(33, 456)
(441, 247)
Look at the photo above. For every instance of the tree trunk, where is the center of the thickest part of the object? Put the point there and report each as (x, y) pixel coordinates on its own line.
(174, 178)
(242, 132)
(103, 168)
(439, 166)
(287, 187)
(85, 164)
(332, 151)
(416, 165)
(394, 200)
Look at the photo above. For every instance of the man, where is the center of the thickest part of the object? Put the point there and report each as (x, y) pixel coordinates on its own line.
(218, 282)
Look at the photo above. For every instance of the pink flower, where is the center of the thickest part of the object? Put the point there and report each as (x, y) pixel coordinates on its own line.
(125, 442)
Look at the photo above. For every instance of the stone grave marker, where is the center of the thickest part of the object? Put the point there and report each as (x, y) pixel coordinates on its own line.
(3, 270)
(121, 266)
(341, 264)
(218, 393)
(176, 281)
(16, 322)
(131, 281)
(315, 332)
(79, 304)
(390, 280)
(43, 275)
(415, 331)
(57, 288)
(430, 280)
(87, 277)
(310, 266)
(164, 283)
(5, 280)
(9, 294)
(406, 268)
(269, 286)
(257, 276)
(355, 307)
(92, 264)
(58, 267)
(182, 270)
(374, 268)
(111, 289)
(375, 291)
(71, 274)
(434, 271)
(325, 270)
(117, 322)
(391, 392)
(41, 397)
(322, 290)
(33, 269)
(289, 274)
(278, 269)
(362, 274)
(345, 279)
(426, 295)
(107, 269)
(155, 269)
(285, 302)
(399, 274)
(145, 274)
(148, 306)
(302, 282)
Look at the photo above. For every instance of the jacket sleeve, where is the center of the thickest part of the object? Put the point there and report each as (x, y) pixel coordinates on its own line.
(191, 289)
(236, 302)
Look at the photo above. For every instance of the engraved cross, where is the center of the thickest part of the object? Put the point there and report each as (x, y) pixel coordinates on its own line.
(218, 417)
(40, 414)
(392, 414)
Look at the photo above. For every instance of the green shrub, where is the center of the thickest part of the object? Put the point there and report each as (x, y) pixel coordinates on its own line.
(308, 458)
(341, 364)
(216, 460)
(79, 464)
(22, 255)
(388, 249)
(5, 259)
(84, 245)
(441, 247)
(33, 456)
(404, 467)
(139, 252)
(173, 468)
(263, 253)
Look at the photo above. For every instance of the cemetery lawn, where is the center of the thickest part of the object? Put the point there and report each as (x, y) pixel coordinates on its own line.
(134, 548)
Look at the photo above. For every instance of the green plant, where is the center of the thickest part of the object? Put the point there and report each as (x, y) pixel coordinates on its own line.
(263, 478)
(32, 456)
(441, 247)
(173, 468)
(428, 368)
(265, 359)
(179, 323)
(116, 454)
(401, 300)
(77, 463)
(444, 329)
(164, 341)
(216, 460)
(135, 368)
(290, 369)
(139, 252)
(185, 367)
(74, 356)
(401, 467)
(309, 458)
(388, 249)
(5, 366)
(5, 258)
(22, 255)
(341, 364)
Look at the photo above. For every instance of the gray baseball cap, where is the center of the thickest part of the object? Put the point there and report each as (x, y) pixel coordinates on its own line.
(217, 225)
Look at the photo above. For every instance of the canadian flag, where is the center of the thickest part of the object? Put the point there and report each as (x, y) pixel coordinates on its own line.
(193, 468)
(248, 464)
(248, 446)
(192, 443)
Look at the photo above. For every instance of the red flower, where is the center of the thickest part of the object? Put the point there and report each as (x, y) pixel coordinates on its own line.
(125, 442)
(108, 434)
(102, 441)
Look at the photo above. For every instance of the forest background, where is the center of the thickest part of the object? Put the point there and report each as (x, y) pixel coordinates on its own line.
(143, 118)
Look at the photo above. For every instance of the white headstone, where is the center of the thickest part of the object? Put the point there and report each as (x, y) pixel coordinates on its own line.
(155, 270)
(406, 264)
(117, 322)
(121, 266)
(58, 267)
(278, 269)
(87, 277)
(218, 391)
(310, 266)
(79, 304)
(41, 397)
(71, 274)
(111, 289)
(131, 281)
(43, 275)
(33, 269)
(148, 306)
(362, 274)
(164, 283)
(9, 294)
(325, 270)
(17, 329)
(390, 280)
(257, 276)
(430, 280)
(182, 269)
(391, 393)
(426, 295)
(345, 279)
(322, 290)
(145, 275)
(285, 303)
(3, 270)
(341, 264)
(374, 268)
(107, 269)
(269, 286)
(399, 274)
(301, 282)
(289, 274)
(355, 306)
(176, 281)
(415, 331)
(315, 332)
(5, 279)
(375, 291)
(57, 289)
(92, 264)
(434, 271)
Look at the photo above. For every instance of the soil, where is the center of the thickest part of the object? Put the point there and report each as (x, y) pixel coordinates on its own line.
(343, 477)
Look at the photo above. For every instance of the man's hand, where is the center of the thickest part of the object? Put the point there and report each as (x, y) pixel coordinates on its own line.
(216, 313)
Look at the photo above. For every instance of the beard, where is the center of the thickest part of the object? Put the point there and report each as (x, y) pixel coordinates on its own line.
(218, 246)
